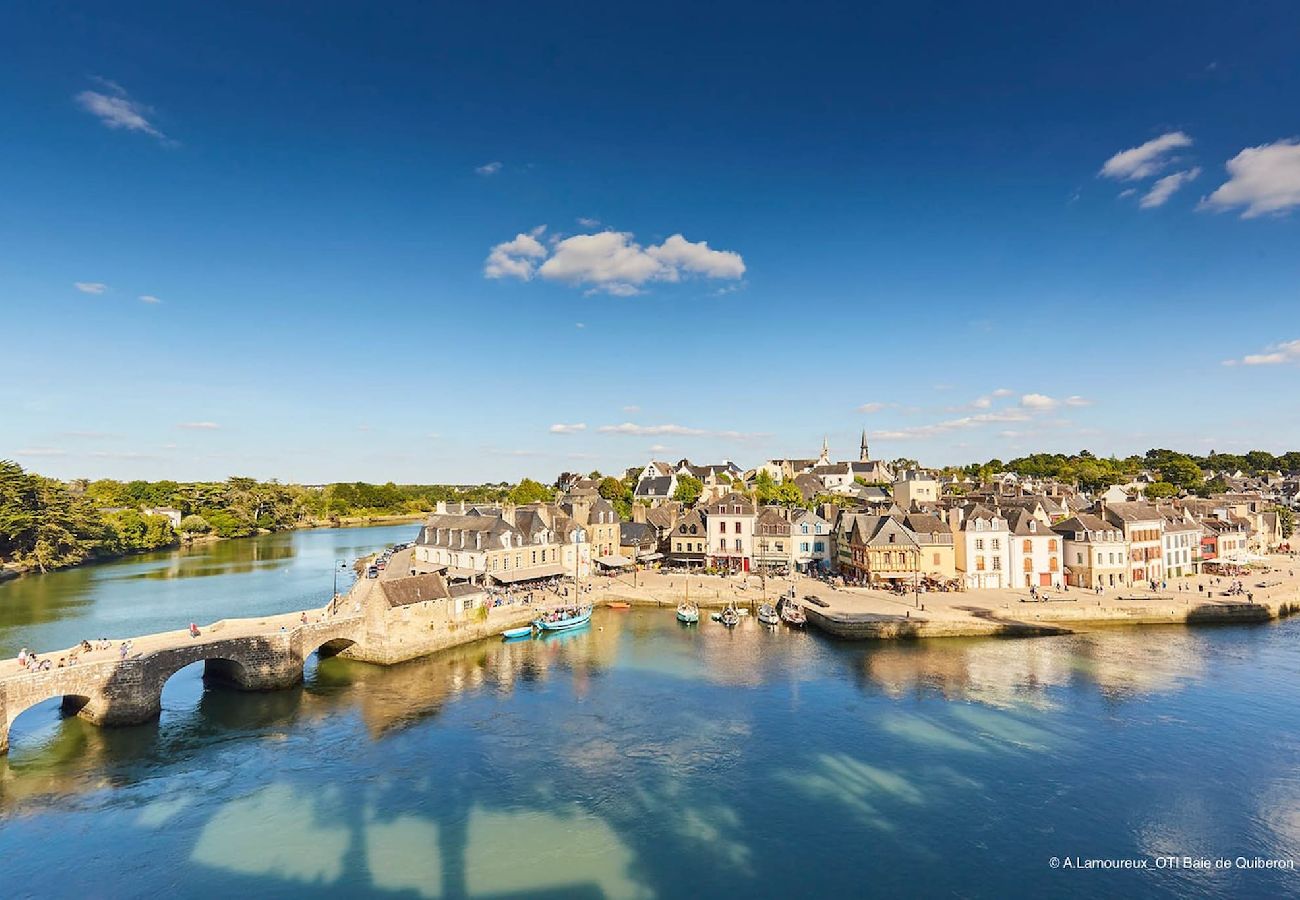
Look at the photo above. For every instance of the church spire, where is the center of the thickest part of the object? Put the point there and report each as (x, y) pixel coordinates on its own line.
(864, 455)
(826, 451)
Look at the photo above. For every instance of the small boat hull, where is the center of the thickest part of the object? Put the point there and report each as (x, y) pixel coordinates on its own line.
(688, 615)
(513, 634)
(619, 604)
(565, 624)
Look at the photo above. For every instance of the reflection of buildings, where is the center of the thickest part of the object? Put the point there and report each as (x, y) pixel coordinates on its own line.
(1020, 673)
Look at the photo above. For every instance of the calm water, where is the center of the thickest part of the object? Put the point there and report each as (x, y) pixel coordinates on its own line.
(639, 758)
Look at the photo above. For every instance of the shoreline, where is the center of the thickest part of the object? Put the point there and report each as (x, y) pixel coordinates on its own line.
(9, 571)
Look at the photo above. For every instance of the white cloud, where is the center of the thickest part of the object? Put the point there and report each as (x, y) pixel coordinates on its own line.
(580, 324)
(199, 426)
(1002, 392)
(1263, 179)
(1038, 401)
(873, 407)
(959, 424)
(149, 298)
(40, 452)
(1145, 160)
(516, 258)
(90, 287)
(1276, 355)
(658, 448)
(1076, 400)
(1164, 188)
(588, 223)
(611, 262)
(633, 429)
(116, 109)
(488, 168)
(561, 428)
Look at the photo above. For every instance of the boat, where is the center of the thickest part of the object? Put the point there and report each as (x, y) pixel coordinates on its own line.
(717, 616)
(730, 617)
(512, 633)
(688, 613)
(793, 615)
(564, 619)
(767, 615)
(618, 604)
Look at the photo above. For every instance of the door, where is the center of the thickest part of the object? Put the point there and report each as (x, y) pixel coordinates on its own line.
(1044, 579)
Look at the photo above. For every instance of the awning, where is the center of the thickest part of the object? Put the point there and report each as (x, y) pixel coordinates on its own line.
(649, 556)
(511, 576)
(613, 561)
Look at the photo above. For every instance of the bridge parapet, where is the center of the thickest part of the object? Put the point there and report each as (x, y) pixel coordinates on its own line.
(248, 654)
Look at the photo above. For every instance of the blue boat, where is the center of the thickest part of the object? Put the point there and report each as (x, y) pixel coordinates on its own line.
(511, 633)
(576, 619)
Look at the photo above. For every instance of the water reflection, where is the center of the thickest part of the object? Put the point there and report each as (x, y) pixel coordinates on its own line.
(636, 758)
(268, 574)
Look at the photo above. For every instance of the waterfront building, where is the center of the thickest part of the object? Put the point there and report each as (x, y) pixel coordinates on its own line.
(1035, 557)
(982, 541)
(881, 550)
(937, 548)
(1094, 551)
(1143, 532)
(773, 547)
(687, 540)
(1181, 544)
(730, 521)
(505, 544)
(810, 541)
(655, 489)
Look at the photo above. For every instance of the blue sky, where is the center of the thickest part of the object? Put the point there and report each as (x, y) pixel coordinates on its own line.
(720, 231)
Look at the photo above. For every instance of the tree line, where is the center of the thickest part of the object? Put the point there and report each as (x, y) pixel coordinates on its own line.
(1177, 472)
(49, 524)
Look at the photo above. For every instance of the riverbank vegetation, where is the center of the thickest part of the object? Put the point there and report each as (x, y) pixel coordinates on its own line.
(49, 524)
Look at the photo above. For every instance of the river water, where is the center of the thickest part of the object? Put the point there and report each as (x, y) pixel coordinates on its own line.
(640, 758)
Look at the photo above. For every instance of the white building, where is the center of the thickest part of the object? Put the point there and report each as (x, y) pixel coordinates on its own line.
(982, 542)
(730, 521)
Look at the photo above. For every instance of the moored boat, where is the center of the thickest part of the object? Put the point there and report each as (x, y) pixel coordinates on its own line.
(618, 604)
(792, 614)
(688, 613)
(511, 634)
(767, 615)
(563, 619)
(730, 617)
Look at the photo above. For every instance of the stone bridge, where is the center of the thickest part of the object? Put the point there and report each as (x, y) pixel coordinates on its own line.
(262, 654)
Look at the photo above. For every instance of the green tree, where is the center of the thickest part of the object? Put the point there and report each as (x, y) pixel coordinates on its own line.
(689, 489)
(529, 491)
(195, 524)
(1159, 490)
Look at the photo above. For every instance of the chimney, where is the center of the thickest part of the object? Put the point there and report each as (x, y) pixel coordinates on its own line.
(639, 512)
(441, 508)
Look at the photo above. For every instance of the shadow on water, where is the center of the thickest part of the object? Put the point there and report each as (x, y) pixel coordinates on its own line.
(631, 759)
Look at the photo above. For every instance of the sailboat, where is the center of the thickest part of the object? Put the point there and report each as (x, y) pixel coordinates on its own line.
(687, 612)
(730, 616)
(793, 613)
(767, 615)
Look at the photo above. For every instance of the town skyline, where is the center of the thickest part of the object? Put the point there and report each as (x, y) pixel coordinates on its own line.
(971, 244)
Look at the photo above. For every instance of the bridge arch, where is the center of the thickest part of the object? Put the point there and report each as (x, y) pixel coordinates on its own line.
(68, 705)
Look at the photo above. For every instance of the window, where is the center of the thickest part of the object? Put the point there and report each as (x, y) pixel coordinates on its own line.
(780, 547)
(738, 543)
(1028, 546)
(737, 526)
(1029, 564)
(979, 543)
(997, 563)
(1052, 564)
(1078, 557)
(1051, 546)
(805, 529)
(803, 547)
(819, 546)
(722, 527)
(979, 564)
